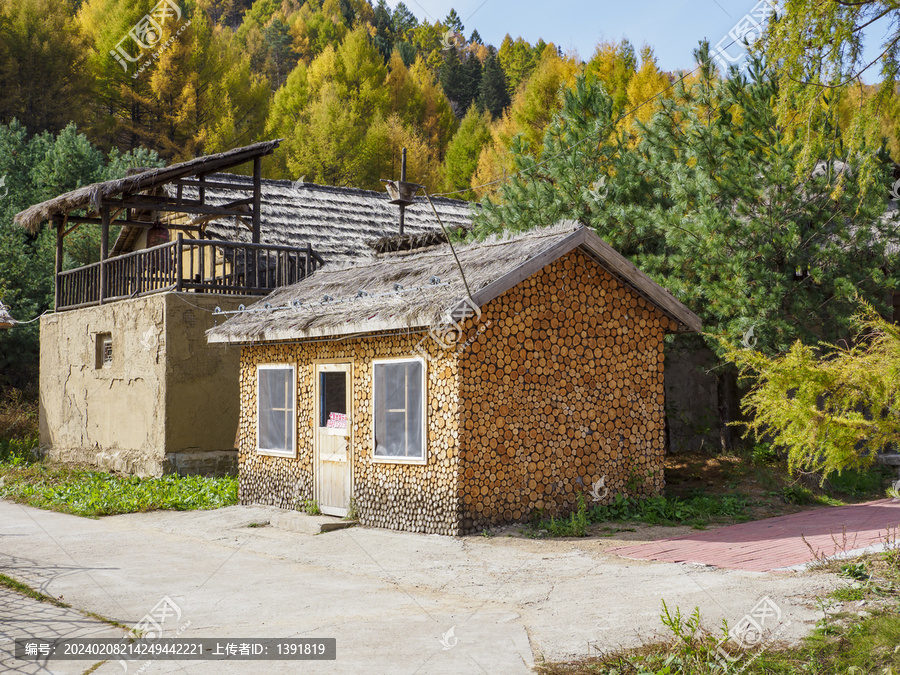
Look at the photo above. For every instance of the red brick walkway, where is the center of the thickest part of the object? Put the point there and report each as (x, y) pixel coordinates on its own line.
(775, 543)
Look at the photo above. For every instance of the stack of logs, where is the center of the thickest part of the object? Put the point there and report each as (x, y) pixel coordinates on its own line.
(562, 395)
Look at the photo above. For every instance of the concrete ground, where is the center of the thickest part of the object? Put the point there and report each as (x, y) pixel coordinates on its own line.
(396, 602)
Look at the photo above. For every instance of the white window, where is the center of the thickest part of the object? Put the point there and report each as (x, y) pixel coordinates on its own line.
(400, 410)
(276, 412)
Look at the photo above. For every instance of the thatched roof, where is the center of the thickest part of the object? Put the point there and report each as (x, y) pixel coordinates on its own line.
(89, 197)
(339, 222)
(6, 321)
(410, 290)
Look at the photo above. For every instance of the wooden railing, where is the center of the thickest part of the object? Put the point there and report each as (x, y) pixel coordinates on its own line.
(197, 265)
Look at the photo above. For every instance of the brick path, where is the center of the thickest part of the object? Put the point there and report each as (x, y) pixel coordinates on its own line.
(774, 543)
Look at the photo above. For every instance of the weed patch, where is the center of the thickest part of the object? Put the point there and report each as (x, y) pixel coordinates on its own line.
(94, 493)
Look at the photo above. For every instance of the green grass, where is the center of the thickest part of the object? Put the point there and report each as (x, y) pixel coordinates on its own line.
(698, 511)
(94, 493)
(26, 479)
(869, 645)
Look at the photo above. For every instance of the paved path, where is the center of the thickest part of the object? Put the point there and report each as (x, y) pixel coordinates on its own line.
(22, 617)
(778, 543)
(389, 598)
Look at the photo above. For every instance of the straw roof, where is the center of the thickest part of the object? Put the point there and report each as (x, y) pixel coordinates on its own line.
(6, 321)
(410, 290)
(90, 196)
(339, 222)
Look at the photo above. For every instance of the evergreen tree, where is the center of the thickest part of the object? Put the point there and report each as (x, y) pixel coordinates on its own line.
(710, 206)
(384, 30)
(37, 168)
(403, 21)
(281, 57)
(472, 67)
(475, 38)
(454, 23)
(407, 52)
(493, 91)
(454, 81)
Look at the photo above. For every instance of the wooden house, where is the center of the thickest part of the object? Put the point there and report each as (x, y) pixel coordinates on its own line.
(445, 389)
(127, 379)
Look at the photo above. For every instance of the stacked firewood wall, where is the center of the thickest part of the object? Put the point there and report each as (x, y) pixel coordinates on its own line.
(561, 394)
(415, 497)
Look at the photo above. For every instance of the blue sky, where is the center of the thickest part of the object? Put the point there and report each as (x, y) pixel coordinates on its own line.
(672, 27)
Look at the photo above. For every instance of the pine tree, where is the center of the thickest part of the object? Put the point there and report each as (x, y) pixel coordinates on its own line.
(454, 23)
(493, 91)
(472, 67)
(709, 204)
(281, 57)
(403, 21)
(384, 30)
(454, 80)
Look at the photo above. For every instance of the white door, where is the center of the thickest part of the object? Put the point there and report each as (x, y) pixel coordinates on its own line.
(333, 440)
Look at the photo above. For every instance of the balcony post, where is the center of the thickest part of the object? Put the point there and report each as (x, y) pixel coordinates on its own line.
(57, 287)
(257, 198)
(179, 277)
(104, 250)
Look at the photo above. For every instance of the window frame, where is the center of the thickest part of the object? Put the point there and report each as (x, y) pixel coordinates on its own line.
(384, 459)
(101, 340)
(292, 453)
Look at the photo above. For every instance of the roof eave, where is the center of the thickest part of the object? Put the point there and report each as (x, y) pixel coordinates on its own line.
(32, 217)
(359, 328)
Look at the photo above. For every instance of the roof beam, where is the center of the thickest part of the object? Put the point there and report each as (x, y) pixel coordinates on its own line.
(86, 220)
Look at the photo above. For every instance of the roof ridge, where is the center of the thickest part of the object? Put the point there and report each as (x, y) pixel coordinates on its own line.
(336, 188)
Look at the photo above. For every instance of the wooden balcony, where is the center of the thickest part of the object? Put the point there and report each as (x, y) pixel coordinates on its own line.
(194, 265)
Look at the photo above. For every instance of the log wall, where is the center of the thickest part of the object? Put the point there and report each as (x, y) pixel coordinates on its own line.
(416, 497)
(563, 386)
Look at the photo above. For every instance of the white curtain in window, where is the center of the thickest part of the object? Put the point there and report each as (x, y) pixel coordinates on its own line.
(276, 408)
(399, 409)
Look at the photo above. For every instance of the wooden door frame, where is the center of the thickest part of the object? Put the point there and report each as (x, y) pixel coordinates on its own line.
(316, 363)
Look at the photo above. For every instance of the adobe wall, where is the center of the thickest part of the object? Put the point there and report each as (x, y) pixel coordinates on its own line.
(415, 497)
(168, 402)
(110, 418)
(562, 388)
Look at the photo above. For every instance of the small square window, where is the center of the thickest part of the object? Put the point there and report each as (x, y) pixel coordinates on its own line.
(104, 351)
